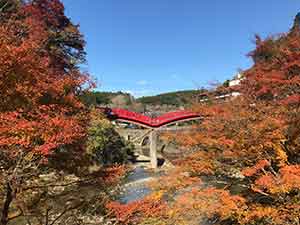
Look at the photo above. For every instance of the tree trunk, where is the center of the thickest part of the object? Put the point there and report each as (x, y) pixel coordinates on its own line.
(6, 206)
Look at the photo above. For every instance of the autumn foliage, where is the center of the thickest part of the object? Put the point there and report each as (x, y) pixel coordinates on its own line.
(246, 150)
(250, 141)
(39, 108)
(40, 113)
(152, 206)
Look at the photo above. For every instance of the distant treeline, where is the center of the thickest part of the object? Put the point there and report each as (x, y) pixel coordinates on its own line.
(97, 97)
(177, 98)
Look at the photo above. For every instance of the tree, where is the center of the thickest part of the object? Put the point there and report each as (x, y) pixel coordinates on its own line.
(64, 43)
(104, 144)
(39, 84)
(8, 7)
(296, 22)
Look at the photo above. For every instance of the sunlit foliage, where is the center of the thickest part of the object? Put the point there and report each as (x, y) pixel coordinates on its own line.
(40, 112)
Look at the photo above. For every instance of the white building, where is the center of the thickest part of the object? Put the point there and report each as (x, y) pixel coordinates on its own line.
(236, 80)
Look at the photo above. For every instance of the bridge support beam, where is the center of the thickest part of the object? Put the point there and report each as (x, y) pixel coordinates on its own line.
(153, 149)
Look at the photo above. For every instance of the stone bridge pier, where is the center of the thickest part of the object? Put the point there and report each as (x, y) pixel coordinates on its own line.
(138, 137)
(147, 141)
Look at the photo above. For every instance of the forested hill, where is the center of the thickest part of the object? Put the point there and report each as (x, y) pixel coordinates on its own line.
(106, 98)
(178, 98)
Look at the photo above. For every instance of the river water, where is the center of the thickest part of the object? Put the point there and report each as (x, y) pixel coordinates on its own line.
(135, 187)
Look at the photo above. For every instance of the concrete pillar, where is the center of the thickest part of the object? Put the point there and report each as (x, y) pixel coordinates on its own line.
(153, 149)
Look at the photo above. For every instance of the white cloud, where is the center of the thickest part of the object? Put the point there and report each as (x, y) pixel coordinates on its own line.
(142, 82)
(174, 76)
(129, 92)
(139, 93)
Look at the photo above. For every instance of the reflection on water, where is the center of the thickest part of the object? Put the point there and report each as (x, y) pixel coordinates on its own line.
(135, 187)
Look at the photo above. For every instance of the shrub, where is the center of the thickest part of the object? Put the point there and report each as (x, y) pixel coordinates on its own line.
(104, 144)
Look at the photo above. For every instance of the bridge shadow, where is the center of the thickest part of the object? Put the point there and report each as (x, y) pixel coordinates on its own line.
(160, 161)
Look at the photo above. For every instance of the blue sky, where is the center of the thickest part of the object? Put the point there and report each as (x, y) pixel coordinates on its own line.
(152, 46)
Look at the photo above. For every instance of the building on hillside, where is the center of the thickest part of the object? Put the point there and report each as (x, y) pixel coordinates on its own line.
(236, 80)
(221, 93)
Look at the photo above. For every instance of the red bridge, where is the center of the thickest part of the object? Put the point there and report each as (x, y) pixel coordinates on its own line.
(149, 122)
